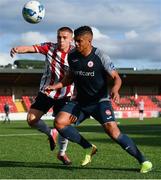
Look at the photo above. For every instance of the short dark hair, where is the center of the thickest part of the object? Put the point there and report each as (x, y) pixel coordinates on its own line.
(65, 28)
(83, 30)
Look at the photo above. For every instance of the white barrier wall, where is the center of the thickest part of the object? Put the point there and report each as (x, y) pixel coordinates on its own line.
(22, 116)
(118, 114)
(135, 114)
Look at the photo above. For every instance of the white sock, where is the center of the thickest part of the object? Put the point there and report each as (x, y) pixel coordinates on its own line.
(63, 143)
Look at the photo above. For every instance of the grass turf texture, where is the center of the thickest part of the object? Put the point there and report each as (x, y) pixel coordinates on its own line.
(25, 154)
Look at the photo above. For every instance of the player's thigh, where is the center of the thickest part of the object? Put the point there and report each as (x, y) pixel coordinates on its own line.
(69, 114)
(62, 119)
(103, 112)
(105, 115)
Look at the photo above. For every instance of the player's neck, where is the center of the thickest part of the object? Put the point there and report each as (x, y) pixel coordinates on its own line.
(87, 51)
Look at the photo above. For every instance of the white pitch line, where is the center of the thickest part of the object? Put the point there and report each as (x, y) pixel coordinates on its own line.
(38, 134)
(41, 134)
(10, 135)
(15, 135)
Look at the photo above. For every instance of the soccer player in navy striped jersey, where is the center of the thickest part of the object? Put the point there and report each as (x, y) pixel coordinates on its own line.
(56, 65)
(89, 68)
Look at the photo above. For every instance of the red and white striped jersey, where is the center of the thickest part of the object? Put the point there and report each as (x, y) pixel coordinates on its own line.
(56, 64)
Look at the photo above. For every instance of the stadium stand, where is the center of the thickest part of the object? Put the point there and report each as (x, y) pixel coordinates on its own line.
(27, 101)
(7, 99)
(127, 108)
(149, 104)
(127, 103)
(20, 106)
(130, 103)
(23, 85)
(157, 100)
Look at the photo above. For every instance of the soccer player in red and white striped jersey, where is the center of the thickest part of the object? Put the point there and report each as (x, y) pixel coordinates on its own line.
(56, 65)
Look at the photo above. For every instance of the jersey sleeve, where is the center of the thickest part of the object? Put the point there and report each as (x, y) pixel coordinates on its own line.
(106, 62)
(42, 48)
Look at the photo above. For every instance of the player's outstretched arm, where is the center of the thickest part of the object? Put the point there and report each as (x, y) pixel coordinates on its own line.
(117, 85)
(22, 50)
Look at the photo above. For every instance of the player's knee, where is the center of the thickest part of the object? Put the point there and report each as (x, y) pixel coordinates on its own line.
(112, 130)
(61, 121)
(31, 119)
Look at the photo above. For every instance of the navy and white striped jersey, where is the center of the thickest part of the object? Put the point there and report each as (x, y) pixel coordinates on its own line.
(90, 75)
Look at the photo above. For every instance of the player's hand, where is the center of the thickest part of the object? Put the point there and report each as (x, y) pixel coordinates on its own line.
(48, 89)
(115, 96)
(13, 52)
(73, 118)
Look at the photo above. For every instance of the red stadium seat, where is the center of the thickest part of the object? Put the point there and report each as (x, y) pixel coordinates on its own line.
(7, 99)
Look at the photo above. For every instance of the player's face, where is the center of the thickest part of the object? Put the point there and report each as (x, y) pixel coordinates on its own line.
(83, 43)
(64, 39)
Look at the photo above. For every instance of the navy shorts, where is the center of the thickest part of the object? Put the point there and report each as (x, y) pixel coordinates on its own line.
(101, 111)
(44, 103)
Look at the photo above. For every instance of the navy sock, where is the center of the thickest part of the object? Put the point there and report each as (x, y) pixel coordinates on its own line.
(43, 127)
(72, 134)
(127, 144)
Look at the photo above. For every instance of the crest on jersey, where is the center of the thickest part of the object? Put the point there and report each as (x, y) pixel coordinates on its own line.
(108, 112)
(90, 64)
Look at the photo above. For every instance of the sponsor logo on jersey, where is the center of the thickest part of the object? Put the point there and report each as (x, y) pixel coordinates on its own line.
(111, 66)
(90, 64)
(84, 73)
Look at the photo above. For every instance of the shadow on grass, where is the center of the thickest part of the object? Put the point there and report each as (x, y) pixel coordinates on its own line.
(148, 129)
(58, 166)
(142, 134)
(148, 141)
(139, 129)
(150, 134)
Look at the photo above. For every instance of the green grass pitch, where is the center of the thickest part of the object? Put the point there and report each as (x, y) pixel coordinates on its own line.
(25, 154)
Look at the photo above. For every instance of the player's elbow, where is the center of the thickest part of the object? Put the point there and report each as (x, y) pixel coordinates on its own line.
(118, 80)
